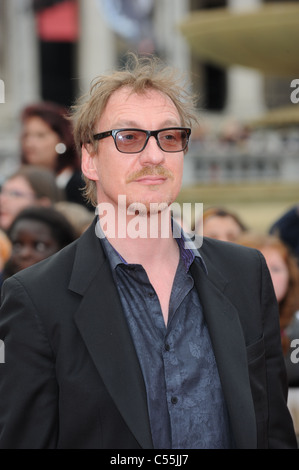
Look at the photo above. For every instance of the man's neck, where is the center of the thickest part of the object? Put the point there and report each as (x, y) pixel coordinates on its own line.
(157, 251)
(144, 239)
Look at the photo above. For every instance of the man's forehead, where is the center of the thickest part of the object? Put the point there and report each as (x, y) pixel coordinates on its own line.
(125, 104)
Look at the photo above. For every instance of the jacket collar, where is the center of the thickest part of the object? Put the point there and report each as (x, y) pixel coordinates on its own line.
(104, 330)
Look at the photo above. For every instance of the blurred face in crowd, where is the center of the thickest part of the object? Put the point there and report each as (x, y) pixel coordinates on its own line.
(16, 194)
(221, 228)
(278, 270)
(32, 241)
(150, 176)
(39, 142)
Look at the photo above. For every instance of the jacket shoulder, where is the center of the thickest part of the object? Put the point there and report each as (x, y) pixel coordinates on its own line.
(212, 248)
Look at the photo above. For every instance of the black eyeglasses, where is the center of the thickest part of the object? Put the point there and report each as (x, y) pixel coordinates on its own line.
(170, 139)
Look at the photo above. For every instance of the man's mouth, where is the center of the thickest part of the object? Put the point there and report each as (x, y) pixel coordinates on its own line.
(151, 180)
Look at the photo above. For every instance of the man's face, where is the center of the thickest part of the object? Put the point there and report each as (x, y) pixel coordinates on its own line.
(151, 176)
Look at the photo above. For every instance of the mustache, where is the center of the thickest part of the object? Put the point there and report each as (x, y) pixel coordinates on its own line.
(150, 171)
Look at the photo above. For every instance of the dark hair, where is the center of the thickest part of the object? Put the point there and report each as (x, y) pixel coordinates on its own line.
(221, 212)
(39, 5)
(61, 229)
(56, 117)
(41, 180)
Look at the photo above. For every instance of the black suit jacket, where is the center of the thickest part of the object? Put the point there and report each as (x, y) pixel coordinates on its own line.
(71, 377)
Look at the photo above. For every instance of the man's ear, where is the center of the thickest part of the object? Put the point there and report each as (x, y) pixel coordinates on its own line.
(88, 162)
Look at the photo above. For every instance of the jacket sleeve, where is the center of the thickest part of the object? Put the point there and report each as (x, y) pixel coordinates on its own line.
(28, 389)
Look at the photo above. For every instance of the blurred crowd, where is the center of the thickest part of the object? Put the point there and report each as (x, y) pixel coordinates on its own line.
(233, 137)
(42, 203)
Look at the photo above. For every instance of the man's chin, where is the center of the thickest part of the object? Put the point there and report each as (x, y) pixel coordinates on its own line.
(147, 208)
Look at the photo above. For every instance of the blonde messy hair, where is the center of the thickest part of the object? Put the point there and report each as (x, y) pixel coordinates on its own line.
(140, 74)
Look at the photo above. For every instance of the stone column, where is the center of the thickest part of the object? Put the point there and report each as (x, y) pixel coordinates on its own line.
(19, 72)
(245, 94)
(20, 56)
(172, 46)
(96, 51)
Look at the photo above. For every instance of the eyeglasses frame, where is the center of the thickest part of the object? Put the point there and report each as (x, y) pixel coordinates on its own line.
(114, 132)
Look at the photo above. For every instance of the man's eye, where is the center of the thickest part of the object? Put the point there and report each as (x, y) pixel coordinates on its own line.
(128, 137)
(169, 137)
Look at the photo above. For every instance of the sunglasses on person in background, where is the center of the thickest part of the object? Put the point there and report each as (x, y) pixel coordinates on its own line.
(170, 139)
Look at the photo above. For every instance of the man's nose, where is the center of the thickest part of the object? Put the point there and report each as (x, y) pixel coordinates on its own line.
(152, 154)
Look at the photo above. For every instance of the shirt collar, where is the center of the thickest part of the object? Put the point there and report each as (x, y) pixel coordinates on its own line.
(187, 246)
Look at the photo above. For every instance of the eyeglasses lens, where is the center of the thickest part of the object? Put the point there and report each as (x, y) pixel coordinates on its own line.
(133, 141)
(173, 140)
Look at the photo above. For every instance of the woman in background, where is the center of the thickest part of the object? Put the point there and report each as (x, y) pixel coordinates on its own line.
(221, 224)
(284, 272)
(47, 141)
(28, 186)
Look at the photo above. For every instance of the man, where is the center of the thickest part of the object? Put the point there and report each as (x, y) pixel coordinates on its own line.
(129, 338)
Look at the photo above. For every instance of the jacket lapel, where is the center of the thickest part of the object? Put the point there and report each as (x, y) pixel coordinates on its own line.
(105, 332)
(104, 329)
(230, 352)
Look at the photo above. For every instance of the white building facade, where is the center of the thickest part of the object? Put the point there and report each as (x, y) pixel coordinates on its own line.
(100, 46)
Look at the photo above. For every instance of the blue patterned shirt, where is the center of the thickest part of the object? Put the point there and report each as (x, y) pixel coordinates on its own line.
(185, 400)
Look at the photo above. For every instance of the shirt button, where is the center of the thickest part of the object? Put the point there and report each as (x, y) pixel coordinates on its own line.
(174, 400)
(151, 295)
(167, 347)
